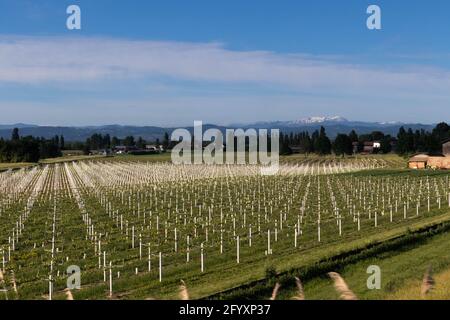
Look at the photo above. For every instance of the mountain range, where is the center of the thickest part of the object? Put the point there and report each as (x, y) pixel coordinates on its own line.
(333, 126)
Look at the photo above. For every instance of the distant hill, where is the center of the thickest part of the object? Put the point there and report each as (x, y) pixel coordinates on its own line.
(16, 125)
(82, 133)
(333, 126)
(336, 125)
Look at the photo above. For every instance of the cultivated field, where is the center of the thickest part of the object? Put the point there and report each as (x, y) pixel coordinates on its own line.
(135, 228)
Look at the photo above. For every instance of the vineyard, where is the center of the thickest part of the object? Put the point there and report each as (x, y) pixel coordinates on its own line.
(374, 161)
(135, 229)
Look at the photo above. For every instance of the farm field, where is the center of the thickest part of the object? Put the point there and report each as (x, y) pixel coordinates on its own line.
(392, 161)
(375, 161)
(70, 158)
(136, 228)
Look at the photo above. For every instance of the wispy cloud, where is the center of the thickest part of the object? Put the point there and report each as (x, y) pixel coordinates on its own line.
(60, 80)
(31, 60)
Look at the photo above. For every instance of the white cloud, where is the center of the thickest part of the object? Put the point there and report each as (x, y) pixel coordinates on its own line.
(47, 60)
(57, 80)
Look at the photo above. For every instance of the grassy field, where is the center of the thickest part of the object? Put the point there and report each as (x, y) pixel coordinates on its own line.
(410, 290)
(402, 271)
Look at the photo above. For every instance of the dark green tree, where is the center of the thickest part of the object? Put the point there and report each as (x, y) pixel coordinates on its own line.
(62, 143)
(15, 134)
(342, 145)
(129, 141)
(323, 144)
(166, 141)
(140, 143)
(353, 136)
(284, 144)
(115, 142)
(386, 145)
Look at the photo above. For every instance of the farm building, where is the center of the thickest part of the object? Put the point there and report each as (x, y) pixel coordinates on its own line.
(153, 147)
(124, 149)
(422, 161)
(439, 162)
(418, 161)
(371, 147)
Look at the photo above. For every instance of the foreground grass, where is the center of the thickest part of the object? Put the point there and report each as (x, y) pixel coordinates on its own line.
(411, 289)
(402, 272)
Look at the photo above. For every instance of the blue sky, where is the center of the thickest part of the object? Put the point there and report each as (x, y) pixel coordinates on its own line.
(171, 62)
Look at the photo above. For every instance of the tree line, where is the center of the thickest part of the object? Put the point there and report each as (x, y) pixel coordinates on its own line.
(407, 141)
(29, 149)
(410, 141)
(98, 142)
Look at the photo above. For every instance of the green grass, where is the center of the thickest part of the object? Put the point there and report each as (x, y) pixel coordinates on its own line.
(411, 289)
(402, 271)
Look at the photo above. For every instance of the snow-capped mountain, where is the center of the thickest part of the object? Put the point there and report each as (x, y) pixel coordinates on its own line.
(334, 125)
(318, 119)
(321, 120)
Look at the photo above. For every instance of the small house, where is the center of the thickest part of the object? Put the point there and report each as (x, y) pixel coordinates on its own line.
(418, 161)
(367, 147)
(124, 149)
(377, 145)
(441, 161)
(154, 148)
(371, 147)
